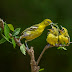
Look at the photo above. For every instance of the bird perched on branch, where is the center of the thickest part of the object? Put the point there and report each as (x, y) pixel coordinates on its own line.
(52, 37)
(64, 38)
(34, 31)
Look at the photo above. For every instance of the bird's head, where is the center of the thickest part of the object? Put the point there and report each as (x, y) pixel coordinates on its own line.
(47, 22)
(64, 31)
(53, 30)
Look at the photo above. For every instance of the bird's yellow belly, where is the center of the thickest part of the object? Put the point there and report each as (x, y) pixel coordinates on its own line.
(63, 39)
(52, 39)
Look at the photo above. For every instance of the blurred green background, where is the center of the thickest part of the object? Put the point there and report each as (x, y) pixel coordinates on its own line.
(23, 14)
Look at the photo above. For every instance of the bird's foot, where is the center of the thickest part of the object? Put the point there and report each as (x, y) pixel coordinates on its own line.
(48, 45)
(27, 46)
(56, 44)
(60, 44)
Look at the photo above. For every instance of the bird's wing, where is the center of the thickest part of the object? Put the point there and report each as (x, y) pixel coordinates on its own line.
(32, 28)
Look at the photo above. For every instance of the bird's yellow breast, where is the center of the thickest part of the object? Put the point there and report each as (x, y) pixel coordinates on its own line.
(63, 39)
(52, 39)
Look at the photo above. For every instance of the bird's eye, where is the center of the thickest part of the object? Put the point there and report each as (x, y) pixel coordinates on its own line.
(48, 21)
(62, 29)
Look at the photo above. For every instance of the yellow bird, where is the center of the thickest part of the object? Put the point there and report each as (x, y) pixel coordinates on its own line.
(52, 37)
(64, 32)
(64, 38)
(34, 31)
(54, 30)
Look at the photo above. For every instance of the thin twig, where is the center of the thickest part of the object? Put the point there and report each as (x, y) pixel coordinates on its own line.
(45, 48)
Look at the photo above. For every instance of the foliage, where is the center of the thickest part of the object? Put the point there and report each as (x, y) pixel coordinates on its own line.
(2, 40)
(41, 69)
(62, 48)
(22, 48)
(11, 27)
(6, 31)
(16, 32)
(13, 42)
(6, 36)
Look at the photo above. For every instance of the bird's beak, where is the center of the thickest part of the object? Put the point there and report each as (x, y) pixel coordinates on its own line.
(61, 27)
(49, 29)
(60, 31)
(51, 23)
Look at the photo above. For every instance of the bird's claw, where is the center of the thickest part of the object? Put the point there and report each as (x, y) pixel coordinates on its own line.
(48, 45)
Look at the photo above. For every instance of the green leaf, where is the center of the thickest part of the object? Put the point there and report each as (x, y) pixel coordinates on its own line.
(13, 42)
(16, 32)
(11, 27)
(62, 48)
(2, 40)
(41, 69)
(6, 38)
(6, 31)
(59, 48)
(17, 37)
(22, 48)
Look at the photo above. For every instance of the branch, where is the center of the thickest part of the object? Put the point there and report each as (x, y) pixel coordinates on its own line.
(45, 48)
(34, 66)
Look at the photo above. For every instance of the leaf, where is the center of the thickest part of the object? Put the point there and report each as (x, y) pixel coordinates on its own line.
(62, 48)
(41, 69)
(11, 27)
(2, 40)
(17, 37)
(22, 48)
(59, 48)
(16, 32)
(13, 42)
(6, 31)
(6, 38)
